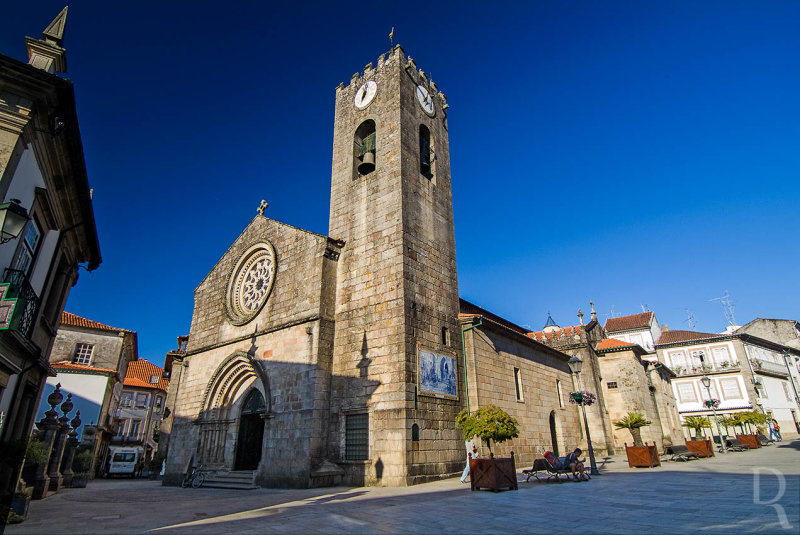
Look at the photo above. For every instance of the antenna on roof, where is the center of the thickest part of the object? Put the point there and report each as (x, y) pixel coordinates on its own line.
(727, 307)
(645, 308)
(690, 319)
(611, 311)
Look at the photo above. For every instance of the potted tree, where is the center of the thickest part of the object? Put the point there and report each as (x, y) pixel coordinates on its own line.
(81, 467)
(640, 454)
(750, 418)
(490, 424)
(697, 442)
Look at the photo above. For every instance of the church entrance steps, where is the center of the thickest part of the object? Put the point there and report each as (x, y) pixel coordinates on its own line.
(237, 479)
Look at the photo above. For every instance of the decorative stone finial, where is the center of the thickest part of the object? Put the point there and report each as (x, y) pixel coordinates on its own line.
(55, 397)
(262, 207)
(580, 315)
(55, 32)
(46, 53)
(67, 406)
(76, 422)
(594, 313)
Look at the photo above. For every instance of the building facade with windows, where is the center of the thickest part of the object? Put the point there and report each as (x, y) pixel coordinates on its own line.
(48, 226)
(85, 348)
(141, 407)
(746, 372)
(640, 329)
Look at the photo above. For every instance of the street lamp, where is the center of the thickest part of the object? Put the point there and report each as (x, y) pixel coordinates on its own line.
(706, 380)
(12, 220)
(575, 365)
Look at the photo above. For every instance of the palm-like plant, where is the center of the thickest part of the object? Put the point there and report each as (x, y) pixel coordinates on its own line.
(633, 422)
(697, 423)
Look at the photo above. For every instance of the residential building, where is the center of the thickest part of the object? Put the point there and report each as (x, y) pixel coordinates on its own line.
(746, 373)
(640, 329)
(45, 197)
(141, 407)
(90, 350)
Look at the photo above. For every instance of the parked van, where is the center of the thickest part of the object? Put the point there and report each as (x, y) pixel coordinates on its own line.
(126, 462)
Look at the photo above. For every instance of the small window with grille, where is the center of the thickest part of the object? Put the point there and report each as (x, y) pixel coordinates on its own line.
(83, 353)
(612, 384)
(356, 439)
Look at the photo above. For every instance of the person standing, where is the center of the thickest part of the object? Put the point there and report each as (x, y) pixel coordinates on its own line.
(472, 453)
(777, 429)
(773, 435)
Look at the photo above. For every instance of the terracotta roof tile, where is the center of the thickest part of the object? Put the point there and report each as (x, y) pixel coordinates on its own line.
(139, 374)
(566, 331)
(66, 365)
(76, 321)
(610, 343)
(670, 337)
(634, 321)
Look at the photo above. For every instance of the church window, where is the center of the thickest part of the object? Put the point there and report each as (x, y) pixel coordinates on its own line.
(445, 336)
(364, 148)
(425, 152)
(558, 392)
(356, 438)
(83, 353)
(518, 384)
(415, 433)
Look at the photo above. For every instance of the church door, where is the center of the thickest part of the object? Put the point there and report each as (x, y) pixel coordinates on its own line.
(251, 432)
(553, 437)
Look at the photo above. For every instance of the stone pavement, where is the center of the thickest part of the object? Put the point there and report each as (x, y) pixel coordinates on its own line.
(718, 495)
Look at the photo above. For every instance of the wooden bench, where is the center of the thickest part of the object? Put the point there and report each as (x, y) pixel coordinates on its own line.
(679, 452)
(764, 440)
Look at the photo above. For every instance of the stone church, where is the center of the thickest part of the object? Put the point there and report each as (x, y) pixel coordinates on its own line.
(344, 359)
(305, 352)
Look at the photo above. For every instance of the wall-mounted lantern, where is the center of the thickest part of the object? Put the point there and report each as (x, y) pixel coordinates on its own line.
(13, 218)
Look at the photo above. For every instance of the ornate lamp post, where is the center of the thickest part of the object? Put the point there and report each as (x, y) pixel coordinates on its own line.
(712, 403)
(575, 365)
(13, 218)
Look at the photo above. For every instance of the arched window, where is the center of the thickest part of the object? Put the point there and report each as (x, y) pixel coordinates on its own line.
(415, 433)
(425, 152)
(364, 149)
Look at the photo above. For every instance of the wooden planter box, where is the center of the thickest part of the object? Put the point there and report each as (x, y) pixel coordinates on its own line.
(642, 456)
(703, 448)
(493, 474)
(749, 440)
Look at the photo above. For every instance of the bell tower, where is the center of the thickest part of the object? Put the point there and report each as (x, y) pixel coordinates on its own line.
(396, 369)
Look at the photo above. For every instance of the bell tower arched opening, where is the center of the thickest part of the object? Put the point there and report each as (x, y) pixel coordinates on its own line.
(364, 148)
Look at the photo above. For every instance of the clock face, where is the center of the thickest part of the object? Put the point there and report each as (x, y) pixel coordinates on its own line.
(425, 100)
(365, 94)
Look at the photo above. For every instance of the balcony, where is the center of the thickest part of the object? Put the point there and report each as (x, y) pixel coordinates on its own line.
(726, 366)
(22, 316)
(769, 367)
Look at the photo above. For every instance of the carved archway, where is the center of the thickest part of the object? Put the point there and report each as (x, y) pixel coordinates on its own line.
(223, 399)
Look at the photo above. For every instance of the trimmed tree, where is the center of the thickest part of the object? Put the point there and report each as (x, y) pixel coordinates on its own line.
(697, 423)
(633, 422)
(490, 423)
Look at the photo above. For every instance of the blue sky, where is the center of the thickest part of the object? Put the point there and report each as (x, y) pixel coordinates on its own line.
(630, 153)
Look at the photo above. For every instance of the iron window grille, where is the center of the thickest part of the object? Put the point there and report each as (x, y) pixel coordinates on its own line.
(356, 437)
(83, 353)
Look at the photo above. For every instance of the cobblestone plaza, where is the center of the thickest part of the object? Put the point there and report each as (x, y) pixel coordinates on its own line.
(747, 492)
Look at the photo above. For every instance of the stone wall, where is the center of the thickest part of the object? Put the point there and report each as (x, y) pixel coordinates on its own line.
(492, 354)
(106, 352)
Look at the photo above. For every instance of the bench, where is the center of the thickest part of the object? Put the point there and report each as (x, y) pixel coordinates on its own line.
(543, 465)
(734, 444)
(764, 440)
(680, 452)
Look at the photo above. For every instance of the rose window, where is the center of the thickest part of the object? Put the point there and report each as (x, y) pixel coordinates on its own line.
(250, 283)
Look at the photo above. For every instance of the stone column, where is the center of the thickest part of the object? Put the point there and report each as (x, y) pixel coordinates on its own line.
(58, 447)
(69, 452)
(48, 426)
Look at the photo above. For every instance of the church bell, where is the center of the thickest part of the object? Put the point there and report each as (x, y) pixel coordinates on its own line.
(367, 164)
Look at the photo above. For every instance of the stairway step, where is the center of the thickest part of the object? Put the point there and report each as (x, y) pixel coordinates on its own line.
(227, 485)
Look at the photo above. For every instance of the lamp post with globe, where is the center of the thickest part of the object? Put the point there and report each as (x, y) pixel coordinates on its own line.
(575, 365)
(712, 404)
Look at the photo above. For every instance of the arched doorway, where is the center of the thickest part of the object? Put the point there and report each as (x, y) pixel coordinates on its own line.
(251, 432)
(553, 436)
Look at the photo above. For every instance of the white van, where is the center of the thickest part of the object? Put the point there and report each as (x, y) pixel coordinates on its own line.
(126, 462)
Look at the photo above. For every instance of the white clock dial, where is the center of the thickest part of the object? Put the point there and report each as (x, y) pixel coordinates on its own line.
(425, 100)
(365, 94)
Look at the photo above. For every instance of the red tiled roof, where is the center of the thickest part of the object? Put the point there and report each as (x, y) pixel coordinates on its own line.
(566, 331)
(634, 321)
(66, 365)
(139, 374)
(609, 343)
(670, 337)
(76, 321)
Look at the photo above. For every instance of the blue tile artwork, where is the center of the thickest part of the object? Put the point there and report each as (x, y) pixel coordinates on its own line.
(437, 373)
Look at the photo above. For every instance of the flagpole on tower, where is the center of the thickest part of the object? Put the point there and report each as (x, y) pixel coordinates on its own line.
(391, 37)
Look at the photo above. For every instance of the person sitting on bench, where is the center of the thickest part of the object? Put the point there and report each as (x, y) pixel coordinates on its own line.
(573, 463)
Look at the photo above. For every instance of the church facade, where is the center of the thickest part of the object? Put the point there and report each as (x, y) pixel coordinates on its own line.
(317, 360)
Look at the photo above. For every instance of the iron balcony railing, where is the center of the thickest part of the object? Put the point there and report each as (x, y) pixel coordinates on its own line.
(771, 367)
(27, 301)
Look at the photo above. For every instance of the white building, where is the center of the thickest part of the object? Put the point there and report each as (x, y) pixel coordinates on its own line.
(640, 329)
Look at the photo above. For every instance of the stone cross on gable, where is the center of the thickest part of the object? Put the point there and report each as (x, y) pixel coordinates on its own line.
(262, 207)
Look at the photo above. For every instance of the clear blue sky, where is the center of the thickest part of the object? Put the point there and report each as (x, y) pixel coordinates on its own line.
(631, 153)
